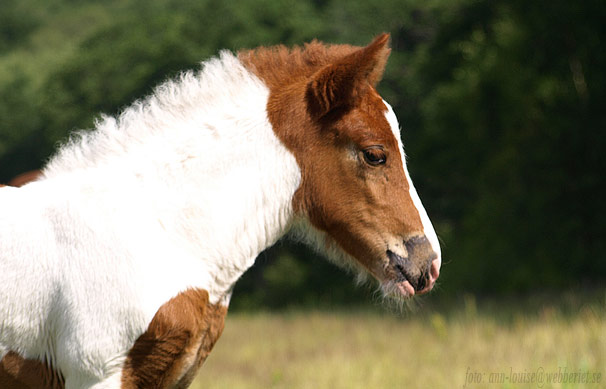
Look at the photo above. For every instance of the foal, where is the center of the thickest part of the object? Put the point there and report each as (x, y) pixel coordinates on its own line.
(117, 264)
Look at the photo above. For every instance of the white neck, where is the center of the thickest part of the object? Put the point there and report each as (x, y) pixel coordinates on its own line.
(200, 159)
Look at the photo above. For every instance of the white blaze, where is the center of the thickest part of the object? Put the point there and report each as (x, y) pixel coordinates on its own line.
(428, 229)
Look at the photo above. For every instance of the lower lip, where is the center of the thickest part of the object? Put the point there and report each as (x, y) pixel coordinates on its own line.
(406, 289)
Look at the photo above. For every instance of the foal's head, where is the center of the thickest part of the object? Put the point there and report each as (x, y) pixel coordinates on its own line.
(355, 188)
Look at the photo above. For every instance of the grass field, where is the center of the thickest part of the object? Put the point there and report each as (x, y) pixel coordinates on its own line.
(463, 343)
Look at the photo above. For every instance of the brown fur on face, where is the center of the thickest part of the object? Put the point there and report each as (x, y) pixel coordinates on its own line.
(324, 108)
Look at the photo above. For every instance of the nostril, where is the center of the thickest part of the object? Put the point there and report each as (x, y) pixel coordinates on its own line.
(421, 283)
(404, 267)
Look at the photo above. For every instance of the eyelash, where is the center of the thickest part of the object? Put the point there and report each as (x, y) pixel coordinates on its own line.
(374, 155)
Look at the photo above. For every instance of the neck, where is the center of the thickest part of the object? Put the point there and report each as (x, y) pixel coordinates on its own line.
(204, 159)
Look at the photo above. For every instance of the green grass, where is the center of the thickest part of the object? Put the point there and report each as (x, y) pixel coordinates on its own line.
(440, 346)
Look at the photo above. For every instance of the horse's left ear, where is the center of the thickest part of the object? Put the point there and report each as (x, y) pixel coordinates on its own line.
(338, 84)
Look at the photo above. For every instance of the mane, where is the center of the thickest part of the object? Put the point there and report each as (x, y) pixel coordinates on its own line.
(195, 103)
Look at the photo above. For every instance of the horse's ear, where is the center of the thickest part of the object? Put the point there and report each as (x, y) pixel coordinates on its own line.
(338, 84)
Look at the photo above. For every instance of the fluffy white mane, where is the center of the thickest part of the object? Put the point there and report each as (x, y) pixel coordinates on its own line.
(196, 105)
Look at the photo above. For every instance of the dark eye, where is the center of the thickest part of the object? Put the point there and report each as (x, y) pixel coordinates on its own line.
(374, 156)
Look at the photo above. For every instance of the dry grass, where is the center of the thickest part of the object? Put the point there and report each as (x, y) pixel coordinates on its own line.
(434, 348)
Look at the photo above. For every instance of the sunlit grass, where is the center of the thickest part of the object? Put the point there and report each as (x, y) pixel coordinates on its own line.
(434, 347)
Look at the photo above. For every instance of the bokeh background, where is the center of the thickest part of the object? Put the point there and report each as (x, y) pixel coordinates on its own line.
(502, 105)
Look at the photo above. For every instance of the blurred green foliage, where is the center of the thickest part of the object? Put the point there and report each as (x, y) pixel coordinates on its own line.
(502, 105)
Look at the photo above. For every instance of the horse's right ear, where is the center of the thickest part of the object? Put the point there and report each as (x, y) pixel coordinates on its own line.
(340, 83)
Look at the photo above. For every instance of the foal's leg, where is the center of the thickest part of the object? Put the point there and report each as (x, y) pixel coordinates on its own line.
(19, 373)
(176, 343)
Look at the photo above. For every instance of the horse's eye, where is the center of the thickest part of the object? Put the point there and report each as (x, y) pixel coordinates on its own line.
(374, 156)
